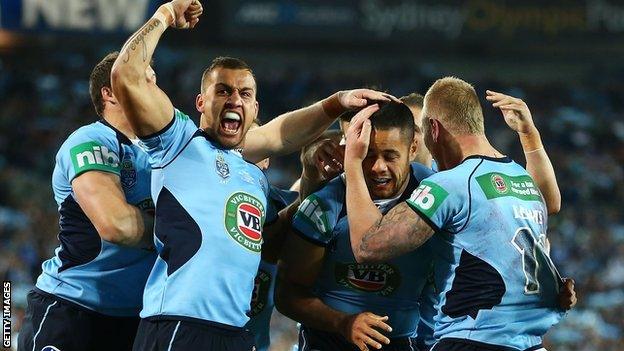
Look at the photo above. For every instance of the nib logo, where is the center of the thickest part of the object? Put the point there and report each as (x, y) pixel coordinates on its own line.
(93, 156)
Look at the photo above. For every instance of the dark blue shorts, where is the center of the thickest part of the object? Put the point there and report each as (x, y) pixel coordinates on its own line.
(182, 335)
(314, 339)
(52, 323)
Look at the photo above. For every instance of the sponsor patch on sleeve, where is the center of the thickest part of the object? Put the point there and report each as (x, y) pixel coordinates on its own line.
(94, 156)
(312, 212)
(427, 198)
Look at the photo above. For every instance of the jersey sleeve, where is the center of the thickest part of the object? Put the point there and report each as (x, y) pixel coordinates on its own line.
(166, 144)
(442, 202)
(316, 217)
(89, 150)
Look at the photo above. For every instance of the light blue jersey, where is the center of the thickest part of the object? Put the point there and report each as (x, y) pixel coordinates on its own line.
(262, 300)
(391, 288)
(85, 269)
(497, 283)
(211, 205)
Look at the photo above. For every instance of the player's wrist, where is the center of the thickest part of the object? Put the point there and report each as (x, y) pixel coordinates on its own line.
(531, 140)
(332, 106)
(165, 14)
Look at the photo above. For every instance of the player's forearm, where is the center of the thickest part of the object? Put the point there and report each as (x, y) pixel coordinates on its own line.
(361, 211)
(541, 169)
(124, 225)
(305, 308)
(136, 54)
(288, 132)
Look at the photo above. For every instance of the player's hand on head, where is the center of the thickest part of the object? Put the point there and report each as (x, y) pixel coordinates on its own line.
(363, 330)
(567, 295)
(514, 110)
(186, 13)
(358, 98)
(358, 134)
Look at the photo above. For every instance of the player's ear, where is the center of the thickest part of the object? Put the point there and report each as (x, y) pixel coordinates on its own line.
(414, 147)
(199, 103)
(257, 106)
(107, 95)
(435, 128)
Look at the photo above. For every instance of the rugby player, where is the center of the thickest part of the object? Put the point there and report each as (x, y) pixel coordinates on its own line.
(211, 204)
(340, 303)
(490, 221)
(93, 286)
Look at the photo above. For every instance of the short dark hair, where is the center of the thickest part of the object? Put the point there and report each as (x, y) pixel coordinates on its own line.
(394, 114)
(227, 63)
(101, 77)
(347, 115)
(413, 100)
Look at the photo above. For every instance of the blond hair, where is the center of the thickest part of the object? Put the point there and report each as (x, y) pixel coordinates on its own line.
(455, 104)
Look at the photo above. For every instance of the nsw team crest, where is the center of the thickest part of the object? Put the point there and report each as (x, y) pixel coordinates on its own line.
(222, 168)
(244, 218)
(128, 173)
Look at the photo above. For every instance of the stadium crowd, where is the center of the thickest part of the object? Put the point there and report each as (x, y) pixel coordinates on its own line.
(44, 100)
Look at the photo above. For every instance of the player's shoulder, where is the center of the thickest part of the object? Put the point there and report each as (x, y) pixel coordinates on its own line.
(333, 193)
(96, 134)
(420, 171)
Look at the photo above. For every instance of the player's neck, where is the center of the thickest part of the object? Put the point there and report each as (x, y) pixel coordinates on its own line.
(470, 145)
(119, 121)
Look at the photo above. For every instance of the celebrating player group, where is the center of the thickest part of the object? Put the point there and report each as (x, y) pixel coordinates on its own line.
(407, 230)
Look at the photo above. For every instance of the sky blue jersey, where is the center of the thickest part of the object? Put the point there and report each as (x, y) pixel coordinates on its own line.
(85, 269)
(497, 283)
(211, 206)
(391, 288)
(262, 300)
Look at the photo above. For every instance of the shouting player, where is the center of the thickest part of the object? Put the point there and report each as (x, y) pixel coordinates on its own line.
(498, 287)
(92, 288)
(211, 204)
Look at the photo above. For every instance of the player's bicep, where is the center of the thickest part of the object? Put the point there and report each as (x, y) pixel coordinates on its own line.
(400, 231)
(259, 144)
(101, 197)
(301, 261)
(146, 106)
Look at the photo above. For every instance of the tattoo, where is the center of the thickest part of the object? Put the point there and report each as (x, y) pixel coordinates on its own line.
(399, 231)
(139, 39)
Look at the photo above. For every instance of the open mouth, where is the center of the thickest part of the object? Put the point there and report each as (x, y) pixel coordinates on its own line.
(231, 123)
(381, 181)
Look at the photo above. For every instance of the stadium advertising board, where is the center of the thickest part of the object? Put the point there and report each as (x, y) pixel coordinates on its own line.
(75, 15)
(409, 20)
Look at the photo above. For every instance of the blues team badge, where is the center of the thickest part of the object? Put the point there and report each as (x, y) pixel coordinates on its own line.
(223, 169)
(127, 173)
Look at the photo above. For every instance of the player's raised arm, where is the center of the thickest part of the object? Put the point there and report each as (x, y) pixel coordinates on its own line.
(293, 130)
(518, 117)
(375, 237)
(147, 107)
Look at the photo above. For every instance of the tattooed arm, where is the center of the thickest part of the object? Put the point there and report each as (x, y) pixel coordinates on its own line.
(148, 108)
(398, 232)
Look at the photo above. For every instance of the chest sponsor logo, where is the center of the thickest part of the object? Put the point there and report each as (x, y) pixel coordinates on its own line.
(378, 278)
(93, 156)
(128, 173)
(495, 185)
(260, 295)
(244, 218)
